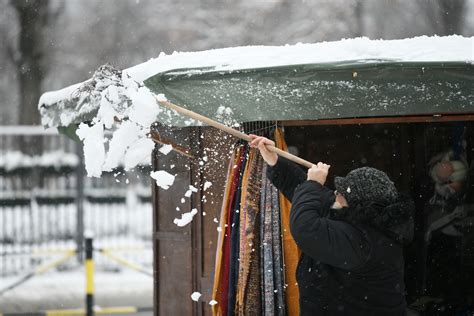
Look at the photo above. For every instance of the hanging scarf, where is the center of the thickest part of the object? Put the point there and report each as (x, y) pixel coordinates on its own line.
(248, 290)
(278, 269)
(255, 251)
(234, 243)
(291, 252)
(219, 291)
(271, 256)
(267, 268)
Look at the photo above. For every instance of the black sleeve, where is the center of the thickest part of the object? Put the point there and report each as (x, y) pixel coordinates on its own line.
(333, 242)
(286, 176)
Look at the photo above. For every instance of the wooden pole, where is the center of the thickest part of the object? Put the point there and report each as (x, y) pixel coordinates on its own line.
(232, 131)
(157, 139)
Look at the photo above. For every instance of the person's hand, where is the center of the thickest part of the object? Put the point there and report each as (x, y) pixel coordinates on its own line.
(260, 143)
(319, 172)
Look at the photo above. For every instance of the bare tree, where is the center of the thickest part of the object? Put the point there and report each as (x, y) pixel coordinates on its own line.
(8, 79)
(33, 17)
(445, 17)
(359, 17)
(452, 16)
(28, 55)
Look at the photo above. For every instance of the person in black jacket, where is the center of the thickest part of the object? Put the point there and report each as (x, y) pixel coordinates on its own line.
(351, 240)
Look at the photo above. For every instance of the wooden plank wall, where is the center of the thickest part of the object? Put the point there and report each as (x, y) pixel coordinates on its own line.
(172, 244)
(216, 146)
(184, 256)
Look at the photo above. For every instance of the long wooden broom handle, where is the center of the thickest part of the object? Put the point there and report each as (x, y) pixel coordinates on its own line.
(232, 131)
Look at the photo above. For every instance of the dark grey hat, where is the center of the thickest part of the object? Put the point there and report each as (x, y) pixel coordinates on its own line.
(366, 185)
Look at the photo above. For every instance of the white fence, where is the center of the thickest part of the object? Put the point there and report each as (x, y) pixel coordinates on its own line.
(46, 203)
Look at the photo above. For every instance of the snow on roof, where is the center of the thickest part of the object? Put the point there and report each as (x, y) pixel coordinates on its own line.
(418, 49)
(119, 101)
(425, 49)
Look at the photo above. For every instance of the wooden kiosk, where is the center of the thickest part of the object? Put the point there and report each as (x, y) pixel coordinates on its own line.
(387, 113)
(414, 124)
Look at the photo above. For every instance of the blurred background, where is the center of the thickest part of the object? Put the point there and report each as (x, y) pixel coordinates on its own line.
(47, 45)
(47, 203)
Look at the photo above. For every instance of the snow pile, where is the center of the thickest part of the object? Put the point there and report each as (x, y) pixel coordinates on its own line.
(186, 218)
(423, 48)
(163, 179)
(94, 152)
(13, 160)
(57, 159)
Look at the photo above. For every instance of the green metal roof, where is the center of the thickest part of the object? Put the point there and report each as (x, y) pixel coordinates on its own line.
(354, 89)
(323, 91)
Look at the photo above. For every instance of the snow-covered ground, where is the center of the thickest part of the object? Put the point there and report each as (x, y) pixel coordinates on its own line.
(124, 230)
(35, 234)
(65, 290)
(31, 236)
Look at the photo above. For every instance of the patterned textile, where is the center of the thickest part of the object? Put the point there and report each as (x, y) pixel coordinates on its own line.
(234, 243)
(291, 252)
(228, 225)
(248, 301)
(266, 220)
(218, 284)
(272, 256)
(277, 252)
(256, 256)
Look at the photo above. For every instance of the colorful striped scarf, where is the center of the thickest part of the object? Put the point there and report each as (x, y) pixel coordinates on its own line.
(248, 300)
(220, 288)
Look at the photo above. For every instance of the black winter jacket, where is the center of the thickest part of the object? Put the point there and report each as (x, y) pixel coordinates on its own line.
(350, 265)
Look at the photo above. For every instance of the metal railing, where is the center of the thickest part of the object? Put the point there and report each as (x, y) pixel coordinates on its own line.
(47, 202)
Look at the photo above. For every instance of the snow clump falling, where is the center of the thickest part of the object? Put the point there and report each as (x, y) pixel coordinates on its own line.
(138, 153)
(186, 218)
(94, 151)
(163, 179)
(165, 149)
(127, 108)
(195, 296)
(190, 191)
(207, 185)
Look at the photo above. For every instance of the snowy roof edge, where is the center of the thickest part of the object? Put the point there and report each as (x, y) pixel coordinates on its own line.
(357, 52)
(418, 49)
